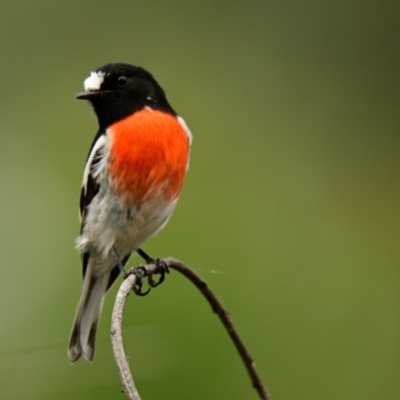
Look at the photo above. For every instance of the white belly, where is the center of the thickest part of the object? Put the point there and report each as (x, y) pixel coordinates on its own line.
(110, 223)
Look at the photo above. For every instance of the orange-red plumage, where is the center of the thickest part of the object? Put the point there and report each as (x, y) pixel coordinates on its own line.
(149, 152)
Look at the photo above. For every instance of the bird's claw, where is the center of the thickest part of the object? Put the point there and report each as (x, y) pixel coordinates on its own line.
(140, 272)
(162, 270)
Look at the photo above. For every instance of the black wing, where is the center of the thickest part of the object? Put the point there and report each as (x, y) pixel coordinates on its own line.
(88, 193)
(90, 186)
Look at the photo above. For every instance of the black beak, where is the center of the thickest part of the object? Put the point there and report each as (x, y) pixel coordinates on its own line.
(91, 95)
(87, 95)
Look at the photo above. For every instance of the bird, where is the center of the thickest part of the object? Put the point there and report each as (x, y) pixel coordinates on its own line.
(134, 174)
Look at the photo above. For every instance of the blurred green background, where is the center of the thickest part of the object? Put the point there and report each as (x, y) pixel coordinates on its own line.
(290, 210)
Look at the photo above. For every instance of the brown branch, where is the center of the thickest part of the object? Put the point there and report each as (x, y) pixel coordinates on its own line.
(128, 386)
(116, 327)
(223, 315)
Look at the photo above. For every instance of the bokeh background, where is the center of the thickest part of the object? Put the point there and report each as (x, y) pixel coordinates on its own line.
(290, 210)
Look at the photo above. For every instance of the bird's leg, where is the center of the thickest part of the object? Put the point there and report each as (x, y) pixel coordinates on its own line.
(118, 261)
(140, 272)
(161, 265)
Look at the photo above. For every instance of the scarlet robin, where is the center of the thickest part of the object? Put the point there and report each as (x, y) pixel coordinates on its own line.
(132, 180)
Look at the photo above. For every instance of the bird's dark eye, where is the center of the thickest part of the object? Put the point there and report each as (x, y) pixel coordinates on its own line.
(122, 81)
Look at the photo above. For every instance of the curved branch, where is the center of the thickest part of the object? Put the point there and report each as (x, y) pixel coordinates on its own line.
(128, 385)
(127, 285)
(223, 315)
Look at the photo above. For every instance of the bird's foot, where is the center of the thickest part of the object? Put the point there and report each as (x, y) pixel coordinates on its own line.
(140, 272)
(162, 270)
(161, 265)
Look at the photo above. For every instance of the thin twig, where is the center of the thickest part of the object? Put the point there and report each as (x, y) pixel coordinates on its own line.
(223, 315)
(129, 388)
(128, 385)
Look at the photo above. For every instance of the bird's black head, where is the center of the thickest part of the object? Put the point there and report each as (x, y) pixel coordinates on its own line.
(118, 90)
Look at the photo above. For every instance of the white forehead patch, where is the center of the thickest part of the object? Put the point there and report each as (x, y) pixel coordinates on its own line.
(94, 81)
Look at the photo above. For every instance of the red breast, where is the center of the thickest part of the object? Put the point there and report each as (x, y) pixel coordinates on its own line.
(149, 155)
